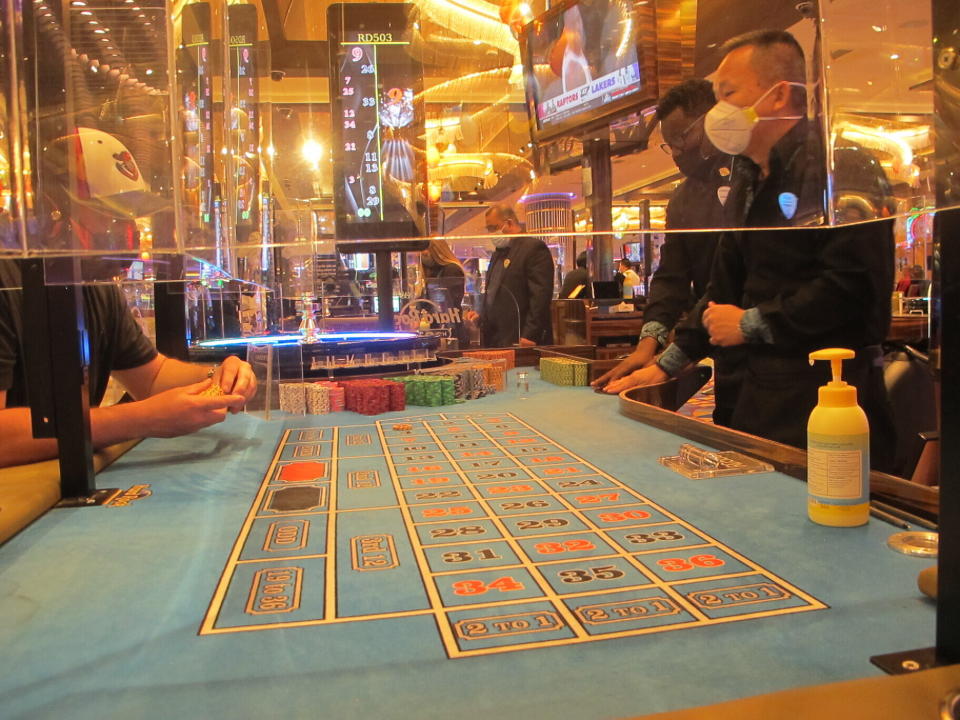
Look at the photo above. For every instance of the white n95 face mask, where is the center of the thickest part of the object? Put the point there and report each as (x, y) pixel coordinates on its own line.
(729, 127)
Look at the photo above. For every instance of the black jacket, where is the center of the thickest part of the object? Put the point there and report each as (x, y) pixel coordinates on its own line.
(815, 287)
(518, 294)
(577, 276)
(686, 257)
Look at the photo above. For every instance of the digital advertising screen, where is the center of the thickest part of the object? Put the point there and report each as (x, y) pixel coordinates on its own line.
(195, 76)
(585, 62)
(245, 109)
(378, 126)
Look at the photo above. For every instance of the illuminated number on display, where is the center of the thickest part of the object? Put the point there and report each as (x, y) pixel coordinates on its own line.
(347, 91)
(349, 113)
(372, 201)
(371, 168)
(363, 212)
(370, 157)
(612, 517)
(680, 564)
(366, 69)
(536, 524)
(478, 587)
(371, 134)
(367, 102)
(349, 147)
(349, 124)
(351, 179)
(603, 572)
(454, 531)
(553, 548)
(644, 538)
(459, 557)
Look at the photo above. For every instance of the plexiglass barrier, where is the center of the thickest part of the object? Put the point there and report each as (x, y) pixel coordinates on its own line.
(261, 138)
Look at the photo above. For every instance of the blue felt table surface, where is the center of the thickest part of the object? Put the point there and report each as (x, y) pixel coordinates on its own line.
(100, 608)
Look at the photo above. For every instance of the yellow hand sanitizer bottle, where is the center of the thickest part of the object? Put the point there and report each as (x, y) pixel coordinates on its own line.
(838, 451)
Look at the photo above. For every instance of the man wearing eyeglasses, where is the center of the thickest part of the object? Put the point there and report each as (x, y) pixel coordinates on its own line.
(519, 287)
(686, 258)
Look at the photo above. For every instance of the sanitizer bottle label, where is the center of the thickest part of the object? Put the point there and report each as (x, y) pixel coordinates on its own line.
(838, 472)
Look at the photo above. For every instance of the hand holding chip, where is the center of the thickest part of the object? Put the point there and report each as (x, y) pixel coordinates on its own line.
(236, 377)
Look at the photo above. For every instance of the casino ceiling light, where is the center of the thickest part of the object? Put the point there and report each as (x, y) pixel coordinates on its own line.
(473, 19)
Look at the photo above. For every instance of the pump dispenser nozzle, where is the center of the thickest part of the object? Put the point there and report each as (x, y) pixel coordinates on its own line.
(836, 393)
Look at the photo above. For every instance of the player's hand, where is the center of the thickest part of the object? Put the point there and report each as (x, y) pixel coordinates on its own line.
(723, 324)
(650, 375)
(183, 410)
(524, 342)
(639, 358)
(236, 377)
(471, 317)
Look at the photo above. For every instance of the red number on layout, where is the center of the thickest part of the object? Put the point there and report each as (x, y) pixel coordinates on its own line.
(521, 441)
(478, 453)
(431, 480)
(548, 458)
(625, 515)
(588, 499)
(478, 587)
(440, 512)
(552, 548)
(500, 489)
(679, 564)
(561, 470)
(425, 468)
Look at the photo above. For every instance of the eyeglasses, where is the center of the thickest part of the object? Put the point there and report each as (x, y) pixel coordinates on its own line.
(670, 147)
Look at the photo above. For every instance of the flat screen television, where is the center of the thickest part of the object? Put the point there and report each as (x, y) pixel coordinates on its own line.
(586, 62)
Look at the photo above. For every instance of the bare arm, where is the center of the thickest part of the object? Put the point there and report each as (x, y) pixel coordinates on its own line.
(163, 408)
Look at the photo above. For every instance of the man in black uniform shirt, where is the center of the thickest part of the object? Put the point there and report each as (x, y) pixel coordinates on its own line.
(516, 306)
(783, 293)
(167, 392)
(686, 257)
(579, 277)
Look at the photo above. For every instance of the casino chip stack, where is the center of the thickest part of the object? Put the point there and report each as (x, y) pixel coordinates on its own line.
(564, 371)
(293, 398)
(373, 396)
(508, 356)
(429, 390)
(334, 394)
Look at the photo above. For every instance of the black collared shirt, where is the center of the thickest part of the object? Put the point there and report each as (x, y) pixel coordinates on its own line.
(814, 287)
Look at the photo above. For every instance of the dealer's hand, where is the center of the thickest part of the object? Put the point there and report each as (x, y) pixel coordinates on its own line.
(184, 410)
(524, 342)
(236, 377)
(723, 324)
(471, 317)
(639, 358)
(650, 375)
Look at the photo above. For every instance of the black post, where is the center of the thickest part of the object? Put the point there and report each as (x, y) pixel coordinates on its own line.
(384, 290)
(945, 312)
(946, 84)
(598, 193)
(170, 311)
(57, 358)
